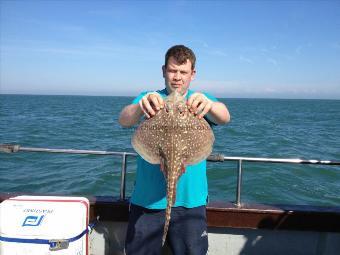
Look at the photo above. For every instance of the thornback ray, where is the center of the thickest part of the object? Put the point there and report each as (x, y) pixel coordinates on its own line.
(173, 138)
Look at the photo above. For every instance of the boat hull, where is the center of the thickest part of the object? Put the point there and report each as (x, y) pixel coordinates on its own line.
(248, 229)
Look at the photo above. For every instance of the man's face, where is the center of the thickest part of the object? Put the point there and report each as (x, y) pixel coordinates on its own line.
(177, 76)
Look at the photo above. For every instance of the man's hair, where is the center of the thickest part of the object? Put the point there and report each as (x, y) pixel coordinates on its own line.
(181, 54)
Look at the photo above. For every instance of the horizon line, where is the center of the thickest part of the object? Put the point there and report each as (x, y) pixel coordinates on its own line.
(235, 97)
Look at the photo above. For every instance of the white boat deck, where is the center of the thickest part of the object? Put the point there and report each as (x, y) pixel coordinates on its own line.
(108, 239)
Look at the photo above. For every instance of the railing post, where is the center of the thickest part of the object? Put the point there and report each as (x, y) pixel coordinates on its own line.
(122, 177)
(239, 183)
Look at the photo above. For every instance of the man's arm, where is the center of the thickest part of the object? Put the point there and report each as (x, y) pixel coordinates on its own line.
(216, 112)
(130, 115)
(148, 105)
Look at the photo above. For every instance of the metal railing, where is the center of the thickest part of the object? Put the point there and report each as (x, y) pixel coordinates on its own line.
(11, 148)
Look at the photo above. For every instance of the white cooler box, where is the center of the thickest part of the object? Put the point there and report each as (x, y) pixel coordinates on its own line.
(41, 225)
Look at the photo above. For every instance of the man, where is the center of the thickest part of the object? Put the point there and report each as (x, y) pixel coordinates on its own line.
(187, 231)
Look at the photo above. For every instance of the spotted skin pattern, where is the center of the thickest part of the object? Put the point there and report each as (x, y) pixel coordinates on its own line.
(173, 138)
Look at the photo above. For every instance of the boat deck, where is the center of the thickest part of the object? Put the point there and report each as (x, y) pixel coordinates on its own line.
(245, 229)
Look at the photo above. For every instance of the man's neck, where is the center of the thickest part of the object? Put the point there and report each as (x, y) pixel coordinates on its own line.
(184, 95)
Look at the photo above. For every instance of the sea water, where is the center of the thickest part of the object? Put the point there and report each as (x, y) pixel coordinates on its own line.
(279, 128)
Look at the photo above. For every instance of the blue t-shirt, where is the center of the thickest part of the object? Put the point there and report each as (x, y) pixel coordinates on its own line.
(150, 185)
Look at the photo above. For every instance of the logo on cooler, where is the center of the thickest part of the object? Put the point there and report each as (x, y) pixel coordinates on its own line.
(33, 220)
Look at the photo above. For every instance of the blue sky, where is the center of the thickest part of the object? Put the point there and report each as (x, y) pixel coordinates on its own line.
(267, 49)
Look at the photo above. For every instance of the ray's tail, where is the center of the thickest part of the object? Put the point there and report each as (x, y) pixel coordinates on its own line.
(171, 198)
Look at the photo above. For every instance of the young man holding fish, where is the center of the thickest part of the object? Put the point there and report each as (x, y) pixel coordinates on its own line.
(187, 232)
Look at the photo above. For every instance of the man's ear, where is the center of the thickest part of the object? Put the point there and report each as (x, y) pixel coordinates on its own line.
(193, 74)
(163, 69)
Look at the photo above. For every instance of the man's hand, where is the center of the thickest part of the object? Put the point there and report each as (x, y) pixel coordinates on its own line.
(151, 103)
(199, 104)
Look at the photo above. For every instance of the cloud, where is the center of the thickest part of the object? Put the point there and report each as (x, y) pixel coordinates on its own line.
(245, 59)
(47, 50)
(212, 51)
(218, 53)
(66, 51)
(201, 43)
(99, 49)
(298, 50)
(253, 89)
(217, 85)
(272, 61)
